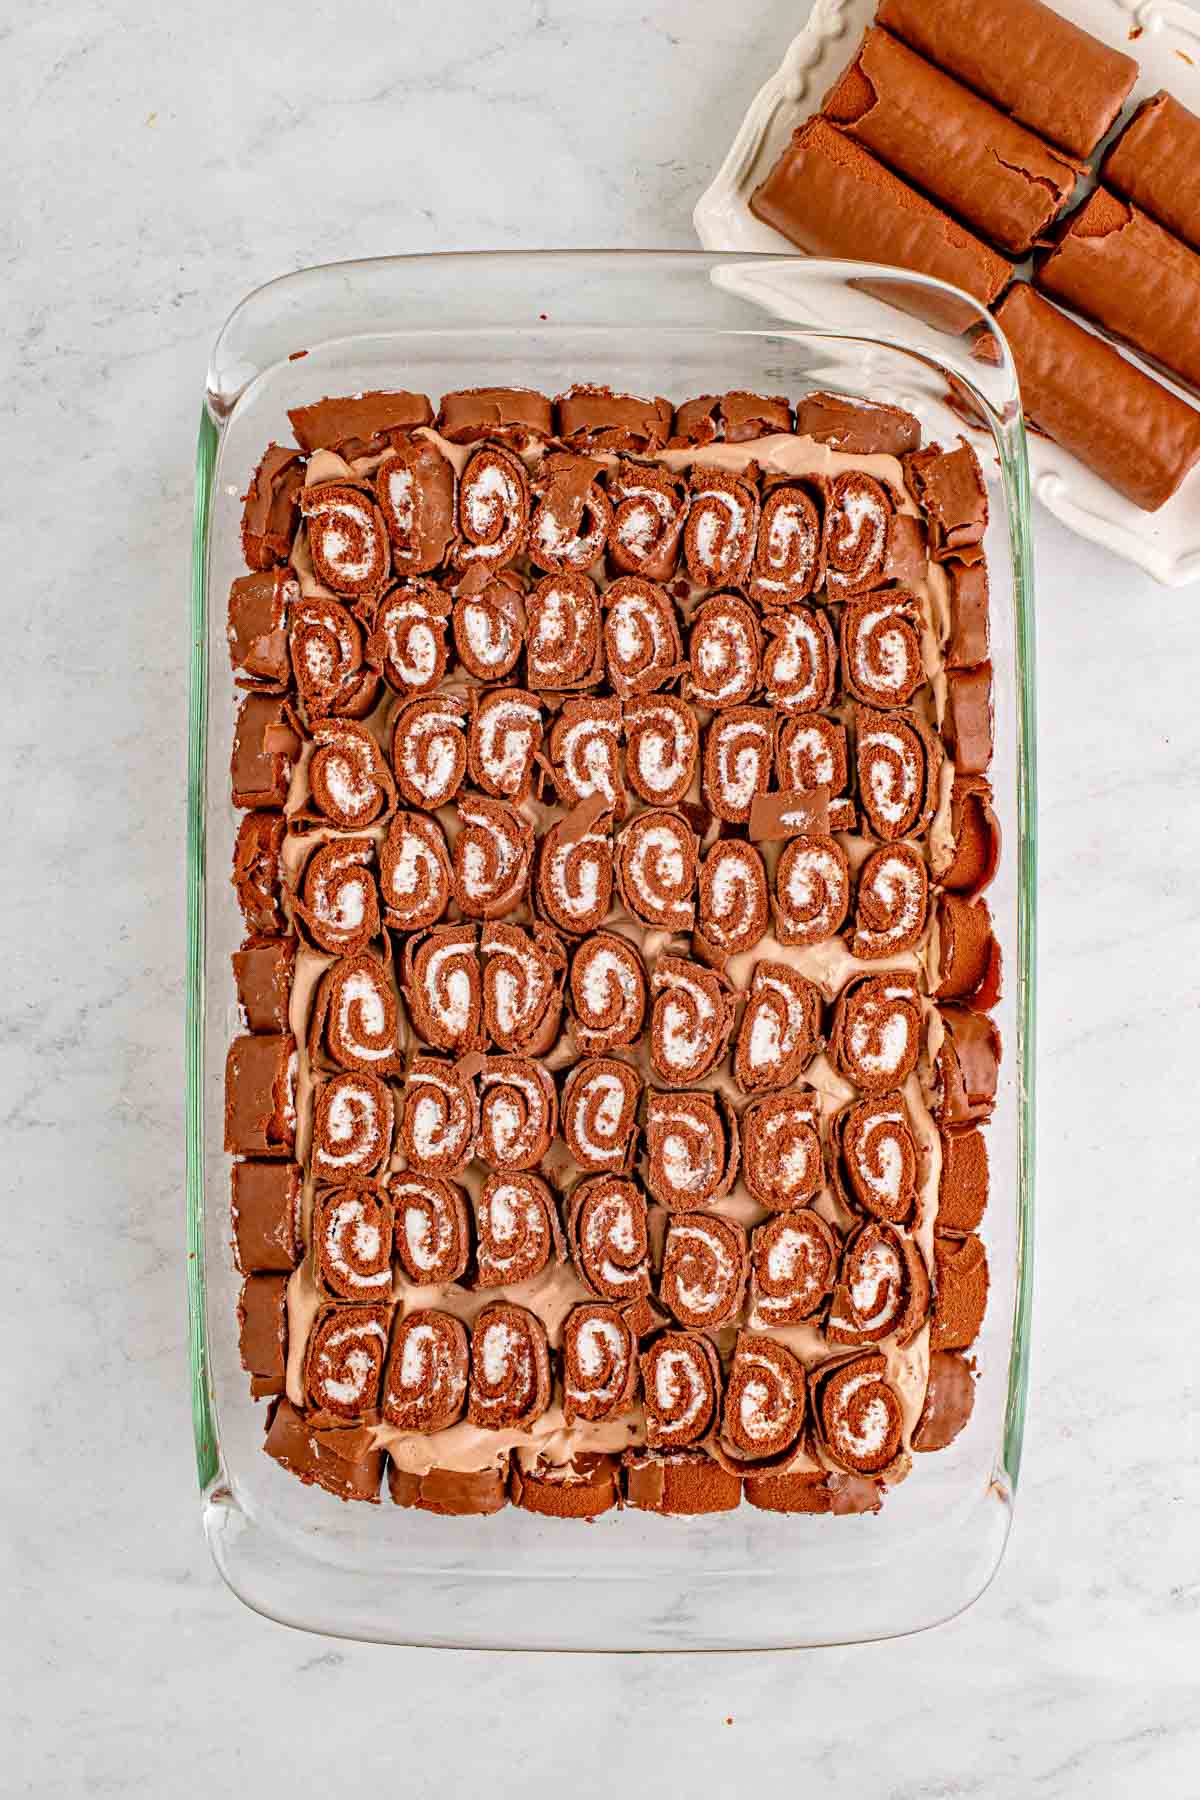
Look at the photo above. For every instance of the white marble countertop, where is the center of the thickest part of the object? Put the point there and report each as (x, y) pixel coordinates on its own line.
(159, 162)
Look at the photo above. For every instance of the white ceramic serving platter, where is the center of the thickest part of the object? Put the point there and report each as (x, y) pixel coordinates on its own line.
(1164, 36)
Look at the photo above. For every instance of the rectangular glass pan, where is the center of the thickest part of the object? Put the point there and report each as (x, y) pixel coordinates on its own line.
(676, 323)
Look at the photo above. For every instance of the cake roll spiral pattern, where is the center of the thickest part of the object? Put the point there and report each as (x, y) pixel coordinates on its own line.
(343, 1362)
(876, 1033)
(433, 1231)
(812, 890)
(766, 1402)
(415, 485)
(585, 751)
(877, 1157)
(562, 644)
(724, 652)
(681, 1386)
(517, 1228)
(504, 739)
(609, 1237)
(573, 515)
(722, 526)
(780, 1029)
(489, 626)
(883, 1288)
(648, 520)
(858, 523)
(439, 1117)
(734, 909)
(493, 508)
(522, 987)
(656, 869)
(340, 902)
(858, 1415)
(795, 1263)
(690, 1021)
(352, 1125)
(518, 1113)
(811, 753)
(881, 649)
(782, 1161)
(599, 1357)
(347, 539)
(893, 902)
(704, 1269)
(599, 1113)
(408, 637)
(800, 663)
(347, 776)
(356, 1020)
(642, 649)
(738, 758)
(607, 993)
(510, 1369)
(491, 857)
(352, 1243)
(429, 750)
(325, 642)
(897, 772)
(787, 551)
(662, 742)
(414, 872)
(575, 877)
(425, 1388)
(691, 1149)
(444, 989)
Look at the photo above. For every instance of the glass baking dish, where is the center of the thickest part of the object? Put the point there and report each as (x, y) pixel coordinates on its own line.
(679, 323)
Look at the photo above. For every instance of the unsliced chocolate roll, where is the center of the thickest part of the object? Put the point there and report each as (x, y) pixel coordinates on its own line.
(966, 1067)
(969, 955)
(451, 1493)
(949, 1401)
(265, 1211)
(359, 424)
(257, 634)
(988, 170)
(263, 1332)
(272, 507)
(857, 427)
(266, 744)
(263, 971)
(1030, 61)
(510, 415)
(260, 1096)
(1155, 162)
(963, 1183)
(732, 418)
(1117, 266)
(832, 198)
(594, 418)
(1129, 429)
(968, 862)
(258, 873)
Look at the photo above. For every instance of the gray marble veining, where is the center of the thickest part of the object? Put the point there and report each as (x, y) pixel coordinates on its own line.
(158, 163)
